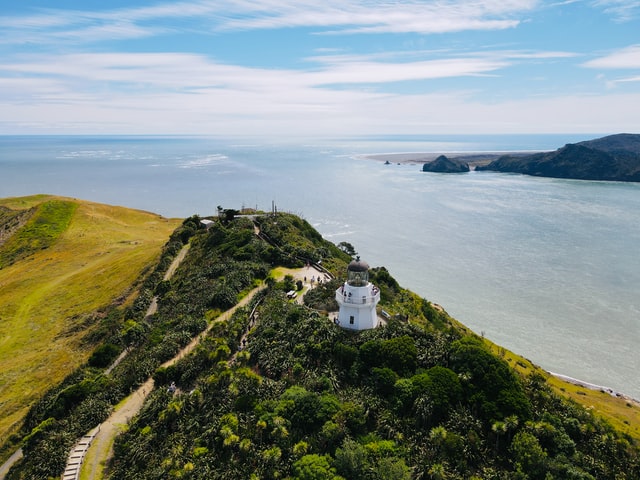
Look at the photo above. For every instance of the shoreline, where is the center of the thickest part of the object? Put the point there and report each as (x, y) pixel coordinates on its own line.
(593, 386)
(474, 159)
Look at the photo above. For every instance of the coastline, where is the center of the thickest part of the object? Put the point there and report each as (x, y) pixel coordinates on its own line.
(593, 386)
(474, 159)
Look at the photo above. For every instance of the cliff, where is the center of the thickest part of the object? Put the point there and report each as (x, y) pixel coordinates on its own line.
(614, 158)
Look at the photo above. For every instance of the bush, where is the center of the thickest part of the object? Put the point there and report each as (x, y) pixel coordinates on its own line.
(104, 355)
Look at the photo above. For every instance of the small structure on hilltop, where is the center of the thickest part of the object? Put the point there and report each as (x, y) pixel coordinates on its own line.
(206, 223)
(358, 298)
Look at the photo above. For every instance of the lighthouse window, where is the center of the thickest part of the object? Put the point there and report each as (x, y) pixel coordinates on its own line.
(351, 319)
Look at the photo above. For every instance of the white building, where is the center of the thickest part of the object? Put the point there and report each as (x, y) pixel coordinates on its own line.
(206, 223)
(358, 298)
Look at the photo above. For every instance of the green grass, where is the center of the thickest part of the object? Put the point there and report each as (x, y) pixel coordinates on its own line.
(50, 220)
(93, 255)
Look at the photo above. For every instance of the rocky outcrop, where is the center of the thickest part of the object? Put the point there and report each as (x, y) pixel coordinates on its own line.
(442, 164)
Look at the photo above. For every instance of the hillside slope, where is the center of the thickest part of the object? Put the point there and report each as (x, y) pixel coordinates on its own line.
(421, 397)
(64, 260)
(280, 391)
(613, 158)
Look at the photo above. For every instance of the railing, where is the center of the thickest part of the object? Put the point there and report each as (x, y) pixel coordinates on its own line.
(358, 299)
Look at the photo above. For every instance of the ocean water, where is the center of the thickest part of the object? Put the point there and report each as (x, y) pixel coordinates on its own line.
(548, 268)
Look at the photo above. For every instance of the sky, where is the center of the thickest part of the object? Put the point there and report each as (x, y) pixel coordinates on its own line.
(325, 68)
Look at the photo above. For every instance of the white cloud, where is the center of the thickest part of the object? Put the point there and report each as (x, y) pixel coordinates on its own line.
(186, 72)
(625, 80)
(621, 10)
(188, 93)
(332, 93)
(625, 58)
(351, 69)
(381, 17)
(231, 112)
(345, 16)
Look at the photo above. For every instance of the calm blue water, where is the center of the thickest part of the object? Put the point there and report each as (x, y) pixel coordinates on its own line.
(548, 268)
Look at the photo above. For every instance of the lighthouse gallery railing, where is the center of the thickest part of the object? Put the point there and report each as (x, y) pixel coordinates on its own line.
(358, 299)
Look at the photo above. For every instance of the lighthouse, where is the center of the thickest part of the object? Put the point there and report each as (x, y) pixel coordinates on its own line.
(358, 298)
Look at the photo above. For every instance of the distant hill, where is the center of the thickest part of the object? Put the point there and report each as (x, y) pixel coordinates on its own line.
(614, 158)
(442, 164)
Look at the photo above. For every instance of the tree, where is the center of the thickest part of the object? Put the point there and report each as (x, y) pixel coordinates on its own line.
(314, 467)
(392, 468)
(511, 423)
(288, 283)
(499, 428)
(399, 354)
(528, 455)
(384, 380)
(104, 355)
(351, 460)
(347, 248)
(443, 388)
(437, 472)
(438, 435)
(306, 410)
(493, 386)
(228, 214)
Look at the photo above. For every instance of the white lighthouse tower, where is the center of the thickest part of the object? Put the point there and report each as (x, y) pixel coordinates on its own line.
(358, 298)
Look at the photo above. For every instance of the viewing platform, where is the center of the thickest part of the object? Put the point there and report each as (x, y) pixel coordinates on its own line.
(369, 295)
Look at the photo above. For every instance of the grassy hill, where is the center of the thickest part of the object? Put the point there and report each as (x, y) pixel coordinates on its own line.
(422, 397)
(63, 262)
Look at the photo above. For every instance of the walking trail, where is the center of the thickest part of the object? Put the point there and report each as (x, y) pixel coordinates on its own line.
(101, 447)
(124, 410)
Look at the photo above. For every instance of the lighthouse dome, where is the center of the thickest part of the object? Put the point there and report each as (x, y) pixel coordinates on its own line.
(358, 265)
(358, 273)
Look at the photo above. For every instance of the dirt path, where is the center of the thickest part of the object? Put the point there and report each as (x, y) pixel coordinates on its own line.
(153, 307)
(106, 432)
(101, 447)
(176, 262)
(4, 469)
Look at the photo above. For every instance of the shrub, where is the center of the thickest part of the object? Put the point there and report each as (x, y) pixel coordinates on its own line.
(104, 355)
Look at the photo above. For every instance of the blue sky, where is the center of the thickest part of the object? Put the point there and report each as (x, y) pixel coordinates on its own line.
(304, 68)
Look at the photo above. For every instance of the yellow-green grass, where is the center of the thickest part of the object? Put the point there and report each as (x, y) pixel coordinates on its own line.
(621, 413)
(46, 298)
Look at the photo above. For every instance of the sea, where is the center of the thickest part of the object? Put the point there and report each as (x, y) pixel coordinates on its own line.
(548, 268)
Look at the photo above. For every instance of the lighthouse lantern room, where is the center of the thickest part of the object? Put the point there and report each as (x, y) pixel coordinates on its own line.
(358, 298)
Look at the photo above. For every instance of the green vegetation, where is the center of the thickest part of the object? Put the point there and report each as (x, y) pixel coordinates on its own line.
(66, 265)
(420, 397)
(49, 220)
(295, 242)
(311, 400)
